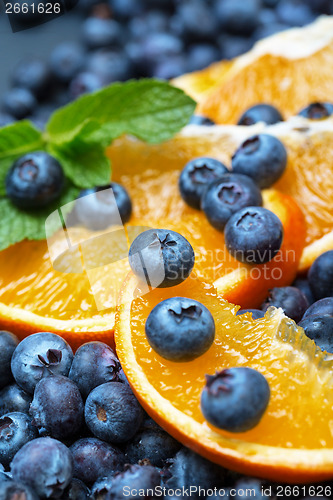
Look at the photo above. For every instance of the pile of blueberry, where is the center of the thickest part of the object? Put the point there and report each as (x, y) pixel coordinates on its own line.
(123, 39)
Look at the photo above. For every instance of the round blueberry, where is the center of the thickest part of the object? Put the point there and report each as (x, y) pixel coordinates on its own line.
(19, 103)
(94, 458)
(39, 355)
(260, 113)
(155, 445)
(76, 490)
(85, 83)
(6, 119)
(12, 490)
(319, 329)
(196, 176)
(195, 21)
(170, 68)
(226, 196)
(66, 60)
(317, 110)
(323, 307)
(238, 17)
(293, 302)
(161, 258)
(261, 157)
(15, 431)
(180, 329)
(57, 407)
(103, 206)
(294, 13)
(35, 180)
(110, 64)
(45, 465)
(32, 74)
(8, 343)
(136, 478)
(99, 32)
(201, 55)
(125, 9)
(321, 276)
(235, 399)
(94, 364)
(253, 235)
(201, 120)
(234, 45)
(304, 285)
(256, 313)
(13, 398)
(112, 412)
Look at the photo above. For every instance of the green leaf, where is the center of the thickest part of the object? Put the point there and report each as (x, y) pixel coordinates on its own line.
(18, 225)
(151, 110)
(16, 140)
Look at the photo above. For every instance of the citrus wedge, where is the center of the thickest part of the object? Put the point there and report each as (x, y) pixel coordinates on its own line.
(293, 441)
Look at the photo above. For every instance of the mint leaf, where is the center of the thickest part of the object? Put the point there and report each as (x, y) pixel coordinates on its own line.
(151, 110)
(16, 140)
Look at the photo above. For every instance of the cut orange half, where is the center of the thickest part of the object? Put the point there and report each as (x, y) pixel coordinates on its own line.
(294, 440)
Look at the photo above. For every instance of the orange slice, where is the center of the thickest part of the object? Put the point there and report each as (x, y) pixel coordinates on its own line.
(294, 440)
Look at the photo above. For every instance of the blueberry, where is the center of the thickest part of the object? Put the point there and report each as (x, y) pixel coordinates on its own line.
(226, 196)
(138, 480)
(32, 74)
(238, 17)
(45, 465)
(260, 113)
(154, 21)
(98, 208)
(159, 46)
(67, 60)
(304, 285)
(99, 33)
(15, 431)
(195, 21)
(6, 119)
(125, 9)
(235, 399)
(293, 302)
(13, 398)
(39, 355)
(232, 46)
(94, 458)
(34, 180)
(180, 329)
(85, 83)
(57, 407)
(256, 313)
(110, 65)
(199, 56)
(155, 445)
(261, 157)
(294, 12)
(19, 103)
(112, 412)
(169, 68)
(253, 235)
(5, 477)
(15, 491)
(160, 257)
(322, 307)
(249, 484)
(321, 276)
(8, 343)
(201, 120)
(269, 29)
(195, 177)
(317, 110)
(319, 329)
(100, 490)
(76, 490)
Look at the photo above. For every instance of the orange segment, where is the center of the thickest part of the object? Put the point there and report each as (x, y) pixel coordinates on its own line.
(293, 441)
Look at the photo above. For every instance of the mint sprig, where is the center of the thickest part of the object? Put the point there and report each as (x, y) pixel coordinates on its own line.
(78, 134)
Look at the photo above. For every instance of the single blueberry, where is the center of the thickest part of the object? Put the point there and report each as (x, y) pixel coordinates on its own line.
(238, 17)
(322, 307)
(195, 21)
(294, 12)
(304, 285)
(293, 302)
(45, 465)
(8, 343)
(180, 329)
(232, 46)
(235, 399)
(12, 490)
(156, 47)
(319, 329)
(161, 258)
(199, 56)
(6, 119)
(321, 276)
(125, 9)
(94, 458)
(155, 445)
(15, 431)
(66, 61)
(39, 355)
(13, 398)
(99, 33)
(256, 313)
(154, 21)
(32, 74)
(261, 157)
(85, 83)
(317, 110)
(260, 113)
(169, 68)
(253, 235)
(35, 180)
(196, 176)
(76, 490)
(226, 196)
(110, 64)
(201, 120)
(140, 480)
(112, 412)
(19, 103)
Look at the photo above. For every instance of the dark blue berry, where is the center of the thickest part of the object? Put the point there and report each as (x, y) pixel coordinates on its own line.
(180, 329)
(33, 74)
(99, 33)
(45, 465)
(125, 9)
(170, 68)
(256, 313)
(201, 55)
(238, 17)
(136, 481)
(253, 235)
(321, 276)
(110, 65)
(4, 476)
(261, 157)
(8, 343)
(6, 119)
(161, 258)
(13, 398)
(103, 206)
(200, 120)
(196, 176)
(155, 445)
(226, 196)
(112, 412)
(156, 47)
(235, 399)
(154, 21)
(260, 113)
(323, 307)
(294, 13)
(319, 329)
(232, 46)
(195, 21)
(304, 285)
(12, 490)
(57, 407)
(100, 490)
(15, 431)
(34, 180)
(94, 458)
(85, 83)
(269, 29)
(19, 103)
(39, 355)
(77, 490)
(66, 61)
(293, 302)
(317, 110)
